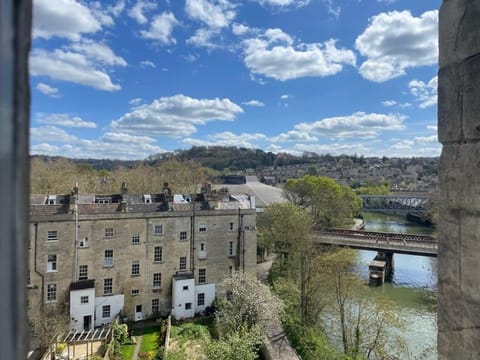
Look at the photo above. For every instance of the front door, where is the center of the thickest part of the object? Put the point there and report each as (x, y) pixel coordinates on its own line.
(87, 322)
(138, 313)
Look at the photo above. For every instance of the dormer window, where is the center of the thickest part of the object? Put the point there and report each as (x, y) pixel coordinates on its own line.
(51, 200)
(147, 199)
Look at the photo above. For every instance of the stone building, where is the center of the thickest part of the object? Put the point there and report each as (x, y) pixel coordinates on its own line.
(97, 256)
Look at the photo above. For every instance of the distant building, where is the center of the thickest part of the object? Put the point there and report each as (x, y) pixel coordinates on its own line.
(138, 256)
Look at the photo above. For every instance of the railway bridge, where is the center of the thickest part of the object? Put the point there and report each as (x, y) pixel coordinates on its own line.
(386, 244)
(404, 203)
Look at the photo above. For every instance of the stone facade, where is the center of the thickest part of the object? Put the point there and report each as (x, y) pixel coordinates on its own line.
(129, 239)
(459, 132)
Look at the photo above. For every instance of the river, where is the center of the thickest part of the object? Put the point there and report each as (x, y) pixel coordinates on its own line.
(413, 282)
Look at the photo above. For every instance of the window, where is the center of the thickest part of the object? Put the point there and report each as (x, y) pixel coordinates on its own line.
(158, 230)
(135, 268)
(158, 254)
(157, 280)
(51, 263)
(201, 299)
(135, 292)
(83, 243)
(188, 306)
(230, 269)
(202, 246)
(83, 272)
(105, 311)
(202, 276)
(185, 287)
(52, 235)
(155, 306)
(183, 235)
(230, 226)
(108, 261)
(183, 263)
(202, 228)
(136, 239)
(83, 299)
(51, 292)
(230, 248)
(107, 286)
(108, 233)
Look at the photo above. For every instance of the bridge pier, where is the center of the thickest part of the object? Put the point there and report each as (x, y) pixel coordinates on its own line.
(381, 268)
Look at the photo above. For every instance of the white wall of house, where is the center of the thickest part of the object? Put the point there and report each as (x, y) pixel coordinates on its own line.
(183, 294)
(209, 291)
(79, 310)
(116, 303)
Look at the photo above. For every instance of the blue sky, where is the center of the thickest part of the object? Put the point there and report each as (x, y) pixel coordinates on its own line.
(126, 79)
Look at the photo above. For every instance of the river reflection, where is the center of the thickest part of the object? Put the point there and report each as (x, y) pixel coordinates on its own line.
(413, 282)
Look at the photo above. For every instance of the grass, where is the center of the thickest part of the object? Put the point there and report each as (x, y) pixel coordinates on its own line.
(127, 351)
(150, 339)
(188, 339)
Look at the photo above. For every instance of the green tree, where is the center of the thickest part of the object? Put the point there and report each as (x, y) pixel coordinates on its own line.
(240, 345)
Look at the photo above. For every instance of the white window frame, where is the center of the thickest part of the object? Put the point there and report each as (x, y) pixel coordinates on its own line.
(155, 306)
(202, 276)
(157, 280)
(108, 263)
(183, 235)
(107, 286)
(158, 230)
(202, 228)
(201, 299)
(52, 263)
(51, 292)
(83, 243)
(135, 292)
(106, 311)
(109, 233)
(84, 299)
(231, 249)
(158, 256)
(136, 239)
(231, 226)
(135, 268)
(182, 264)
(83, 272)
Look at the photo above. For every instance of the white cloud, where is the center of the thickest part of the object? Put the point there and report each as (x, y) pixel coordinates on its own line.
(254, 103)
(203, 38)
(240, 29)
(214, 13)
(97, 52)
(175, 116)
(419, 146)
(403, 145)
(135, 101)
(138, 10)
(335, 149)
(284, 97)
(118, 8)
(294, 135)
(395, 41)
(405, 105)
(358, 124)
(47, 90)
(70, 66)
(51, 134)
(147, 63)
(274, 55)
(283, 3)
(161, 28)
(426, 139)
(44, 149)
(432, 127)
(227, 138)
(425, 93)
(65, 120)
(66, 18)
(388, 103)
(126, 138)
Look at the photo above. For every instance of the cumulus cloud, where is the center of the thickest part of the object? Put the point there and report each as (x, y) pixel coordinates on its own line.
(418, 146)
(388, 103)
(425, 93)
(294, 135)
(126, 138)
(147, 63)
(203, 37)
(65, 120)
(138, 10)
(67, 18)
(118, 8)
(367, 125)
(135, 101)
(97, 52)
(71, 66)
(161, 28)
(51, 134)
(335, 149)
(284, 97)
(254, 103)
(240, 29)
(273, 54)
(426, 139)
(284, 3)
(432, 127)
(227, 138)
(213, 13)
(395, 41)
(175, 116)
(47, 90)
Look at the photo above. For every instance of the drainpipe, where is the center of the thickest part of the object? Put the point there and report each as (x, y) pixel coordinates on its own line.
(192, 237)
(35, 263)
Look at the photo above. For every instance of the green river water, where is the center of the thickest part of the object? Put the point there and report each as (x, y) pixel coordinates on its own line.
(414, 280)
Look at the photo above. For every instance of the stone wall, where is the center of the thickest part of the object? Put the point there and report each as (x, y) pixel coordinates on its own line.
(459, 180)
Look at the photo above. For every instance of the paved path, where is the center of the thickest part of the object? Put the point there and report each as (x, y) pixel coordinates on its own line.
(137, 347)
(277, 345)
